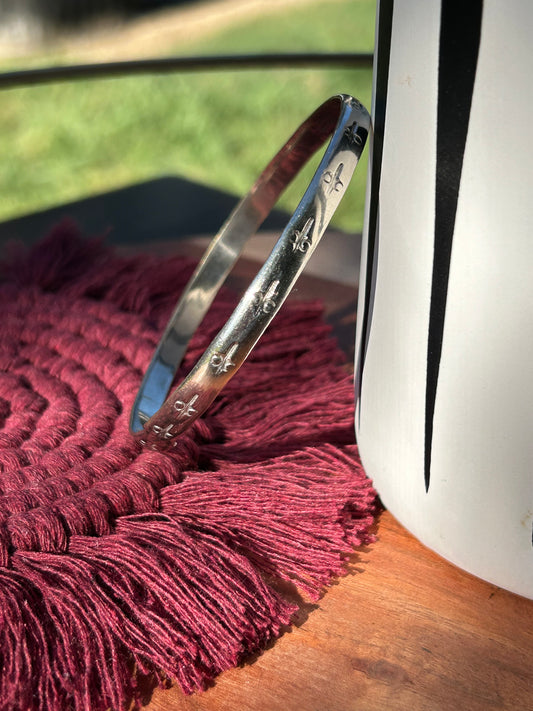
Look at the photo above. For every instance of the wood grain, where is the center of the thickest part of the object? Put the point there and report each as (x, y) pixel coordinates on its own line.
(404, 630)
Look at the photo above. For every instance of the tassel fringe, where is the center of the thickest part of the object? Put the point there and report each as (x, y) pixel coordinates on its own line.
(118, 564)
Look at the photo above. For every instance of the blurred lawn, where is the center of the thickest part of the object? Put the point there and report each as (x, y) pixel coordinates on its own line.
(61, 142)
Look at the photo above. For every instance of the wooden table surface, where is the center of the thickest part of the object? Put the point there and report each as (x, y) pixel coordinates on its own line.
(404, 630)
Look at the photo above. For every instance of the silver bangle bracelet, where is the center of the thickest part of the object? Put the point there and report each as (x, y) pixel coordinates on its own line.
(156, 420)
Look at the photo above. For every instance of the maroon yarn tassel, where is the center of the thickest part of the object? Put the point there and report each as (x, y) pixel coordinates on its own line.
(118, 564)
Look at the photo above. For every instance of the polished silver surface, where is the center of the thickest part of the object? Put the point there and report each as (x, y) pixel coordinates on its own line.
(157, 420)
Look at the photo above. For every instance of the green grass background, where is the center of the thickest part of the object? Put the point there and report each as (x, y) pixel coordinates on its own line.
(61, 142)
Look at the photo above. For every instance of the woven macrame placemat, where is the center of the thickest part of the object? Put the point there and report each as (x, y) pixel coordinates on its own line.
(118, 564)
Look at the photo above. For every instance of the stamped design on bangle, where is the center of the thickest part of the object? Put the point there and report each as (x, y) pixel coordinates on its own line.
(264, 302)
(333, 180)
(221, 362)
(352, 135)
(163, 432)
(185, 409)
(302, 238)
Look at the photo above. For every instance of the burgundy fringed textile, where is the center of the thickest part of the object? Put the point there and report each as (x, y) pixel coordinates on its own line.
(117, 563)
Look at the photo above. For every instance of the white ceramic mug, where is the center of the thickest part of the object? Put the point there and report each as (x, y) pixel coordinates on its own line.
(444, 353)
